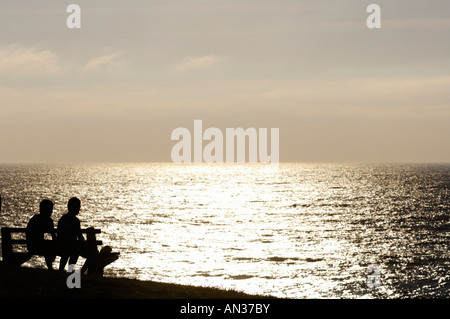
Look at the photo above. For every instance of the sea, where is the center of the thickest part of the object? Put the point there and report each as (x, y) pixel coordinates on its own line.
(297, 230)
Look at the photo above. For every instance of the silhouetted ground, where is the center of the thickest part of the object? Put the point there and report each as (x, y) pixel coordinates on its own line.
(22, 282)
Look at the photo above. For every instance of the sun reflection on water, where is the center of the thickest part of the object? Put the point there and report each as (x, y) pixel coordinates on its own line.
(299, 230)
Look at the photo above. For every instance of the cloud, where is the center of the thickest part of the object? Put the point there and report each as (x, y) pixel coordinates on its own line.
(25, 61)
(106, 62)
(193, 63)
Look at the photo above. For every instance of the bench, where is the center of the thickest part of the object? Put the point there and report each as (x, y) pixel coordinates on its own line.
(95, 261)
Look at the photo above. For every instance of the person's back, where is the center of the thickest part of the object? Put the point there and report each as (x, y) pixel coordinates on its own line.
(69, 227)
(69, 234)
(37, 226)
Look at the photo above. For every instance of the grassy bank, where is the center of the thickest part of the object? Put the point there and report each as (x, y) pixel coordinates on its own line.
(21, 282)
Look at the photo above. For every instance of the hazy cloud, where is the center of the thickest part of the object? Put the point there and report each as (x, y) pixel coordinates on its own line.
(24, 61)
(193, 63)
(104, 62)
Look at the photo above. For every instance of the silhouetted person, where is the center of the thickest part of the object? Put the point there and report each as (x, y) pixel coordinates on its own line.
(69, 234)
(38, 225)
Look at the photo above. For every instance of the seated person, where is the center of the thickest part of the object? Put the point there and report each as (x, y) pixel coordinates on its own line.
(38, 225)
(70, 238)
(72, 244)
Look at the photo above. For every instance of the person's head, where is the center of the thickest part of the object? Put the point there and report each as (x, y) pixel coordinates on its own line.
(74, 205)
(46, 207)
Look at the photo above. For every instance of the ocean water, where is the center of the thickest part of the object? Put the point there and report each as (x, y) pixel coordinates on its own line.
(298, 231)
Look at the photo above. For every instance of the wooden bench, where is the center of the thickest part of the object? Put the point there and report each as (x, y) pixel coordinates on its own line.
(95, 261)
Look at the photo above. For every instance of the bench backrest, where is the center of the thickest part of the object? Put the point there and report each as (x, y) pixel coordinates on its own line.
(8, 241)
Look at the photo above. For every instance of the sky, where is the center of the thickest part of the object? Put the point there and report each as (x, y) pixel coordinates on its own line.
(114, 89)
